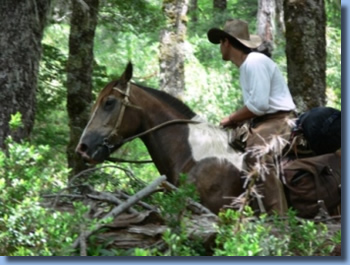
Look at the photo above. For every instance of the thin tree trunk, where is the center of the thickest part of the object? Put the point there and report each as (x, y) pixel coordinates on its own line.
(172, 50)
(79, 74)
(193, 10)
(266, 22)
(220, 4)
(21, 31)
(280, 26)
(306, 51)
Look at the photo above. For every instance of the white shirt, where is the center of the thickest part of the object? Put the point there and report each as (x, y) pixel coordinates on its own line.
(263, 86)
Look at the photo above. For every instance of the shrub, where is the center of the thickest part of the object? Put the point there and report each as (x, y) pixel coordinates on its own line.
(27, 228)
(242, 234)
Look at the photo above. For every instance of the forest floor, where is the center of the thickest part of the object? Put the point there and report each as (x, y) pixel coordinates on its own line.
(136, 224)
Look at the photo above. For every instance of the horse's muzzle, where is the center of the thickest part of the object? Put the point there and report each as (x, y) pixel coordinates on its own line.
(92, 149)
(98, 156)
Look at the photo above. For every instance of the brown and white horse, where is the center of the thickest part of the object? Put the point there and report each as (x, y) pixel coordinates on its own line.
(200, 150)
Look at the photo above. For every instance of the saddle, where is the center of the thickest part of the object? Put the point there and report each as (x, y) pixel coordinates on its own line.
(312, 182)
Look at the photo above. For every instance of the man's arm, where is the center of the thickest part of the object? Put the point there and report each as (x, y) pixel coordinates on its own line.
(237, 117)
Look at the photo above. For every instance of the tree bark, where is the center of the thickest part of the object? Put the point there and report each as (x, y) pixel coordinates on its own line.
(193, 10)
(220, 4)
(21, 31)
(280, 26)
(266, 22)
(79, 74)
(305, 22)
(172, 50)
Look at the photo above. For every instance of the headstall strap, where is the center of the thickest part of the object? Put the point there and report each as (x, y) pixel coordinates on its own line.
(125, 103)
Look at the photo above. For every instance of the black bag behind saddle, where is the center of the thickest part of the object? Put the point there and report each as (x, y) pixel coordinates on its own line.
(321, 127)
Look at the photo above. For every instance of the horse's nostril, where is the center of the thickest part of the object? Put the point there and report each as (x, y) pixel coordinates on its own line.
(82, 148)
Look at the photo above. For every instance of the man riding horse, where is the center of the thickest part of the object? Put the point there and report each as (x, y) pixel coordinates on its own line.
(268, 103)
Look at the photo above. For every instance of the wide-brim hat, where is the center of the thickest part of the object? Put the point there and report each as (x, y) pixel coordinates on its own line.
(237, 29)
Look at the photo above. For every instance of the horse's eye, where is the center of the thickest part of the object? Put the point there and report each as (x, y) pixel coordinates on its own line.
(109, 103)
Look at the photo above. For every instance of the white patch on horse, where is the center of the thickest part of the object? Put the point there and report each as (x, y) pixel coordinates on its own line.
(207, 140)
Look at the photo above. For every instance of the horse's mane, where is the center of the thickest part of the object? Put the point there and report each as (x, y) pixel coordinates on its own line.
(170, 100)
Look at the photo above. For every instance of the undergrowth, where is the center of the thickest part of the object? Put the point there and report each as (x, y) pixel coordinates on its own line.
(27, 228)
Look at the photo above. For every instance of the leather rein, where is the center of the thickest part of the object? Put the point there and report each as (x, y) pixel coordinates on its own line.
(121, 140)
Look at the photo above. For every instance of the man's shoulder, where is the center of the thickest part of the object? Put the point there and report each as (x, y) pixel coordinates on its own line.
(257, 60)
(258, 56)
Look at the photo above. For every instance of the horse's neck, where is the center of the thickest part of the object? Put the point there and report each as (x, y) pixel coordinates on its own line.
(169, 149)
(177, 148)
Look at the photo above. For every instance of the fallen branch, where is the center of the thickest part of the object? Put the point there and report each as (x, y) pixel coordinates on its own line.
(141, 203)
(82, 242)
(126, 171)
(138, 196)
(121, 208)
(72, 196)
(106, 197)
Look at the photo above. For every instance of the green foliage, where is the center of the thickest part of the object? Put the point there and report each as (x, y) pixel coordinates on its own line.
(209, 17)
(237, 238)
(172, 205)
(16, 121)
(180, 243)
(129, 31)
(333, 72)
(27, 228)
(242, 234)
(51, 126)
(306, 237)
(132, 16)
(333, 13)
(337, 238)
(333, 34)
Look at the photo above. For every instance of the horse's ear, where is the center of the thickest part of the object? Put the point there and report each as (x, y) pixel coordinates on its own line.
(127, 75)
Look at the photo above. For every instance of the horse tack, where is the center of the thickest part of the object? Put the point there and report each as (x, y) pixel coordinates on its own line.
(126, 103)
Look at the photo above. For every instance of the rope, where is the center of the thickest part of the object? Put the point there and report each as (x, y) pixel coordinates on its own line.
(158, 127)
(121, 160)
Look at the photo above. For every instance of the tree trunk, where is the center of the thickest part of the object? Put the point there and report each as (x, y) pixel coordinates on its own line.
(193, 11)
(280, 26)
(220, 4)
(266, 22)
(172, 50)
(305, 22)
(21, 30)
(79, 74)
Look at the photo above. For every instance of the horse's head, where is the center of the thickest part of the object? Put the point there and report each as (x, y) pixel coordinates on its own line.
(113, 118)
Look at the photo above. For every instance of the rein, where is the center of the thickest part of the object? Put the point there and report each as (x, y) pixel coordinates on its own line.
(126, 103)
(164, 124)
(129, 139)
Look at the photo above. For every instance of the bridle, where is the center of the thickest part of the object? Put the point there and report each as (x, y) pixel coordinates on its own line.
(126, 103)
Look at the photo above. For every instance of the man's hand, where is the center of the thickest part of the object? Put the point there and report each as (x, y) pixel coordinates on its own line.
(227, 123)
(237, 118)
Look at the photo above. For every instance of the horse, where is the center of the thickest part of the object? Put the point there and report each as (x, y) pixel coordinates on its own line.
(177, 139)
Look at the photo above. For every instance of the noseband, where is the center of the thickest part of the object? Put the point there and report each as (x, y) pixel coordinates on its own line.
(126, 103)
